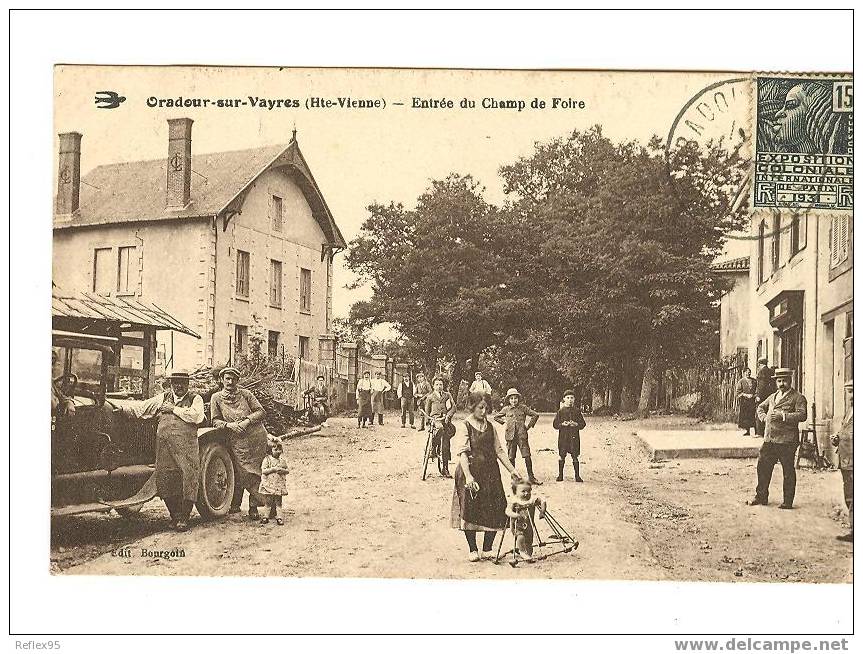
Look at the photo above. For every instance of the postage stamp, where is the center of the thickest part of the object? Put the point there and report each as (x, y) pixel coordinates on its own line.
(804, 143)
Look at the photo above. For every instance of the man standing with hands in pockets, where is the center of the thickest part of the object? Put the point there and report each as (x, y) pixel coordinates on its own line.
(781, 412)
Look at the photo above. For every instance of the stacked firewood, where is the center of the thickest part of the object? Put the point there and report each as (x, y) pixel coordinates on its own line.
(257, 377)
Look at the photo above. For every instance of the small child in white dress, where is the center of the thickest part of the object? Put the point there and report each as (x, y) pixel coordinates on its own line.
(274, 469)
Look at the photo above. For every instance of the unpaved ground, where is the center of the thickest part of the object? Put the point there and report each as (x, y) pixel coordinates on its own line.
(358, 508)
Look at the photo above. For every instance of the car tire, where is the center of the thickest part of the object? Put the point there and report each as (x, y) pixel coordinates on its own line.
(216, 485)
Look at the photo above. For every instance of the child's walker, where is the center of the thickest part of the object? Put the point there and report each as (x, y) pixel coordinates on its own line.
(559, 542)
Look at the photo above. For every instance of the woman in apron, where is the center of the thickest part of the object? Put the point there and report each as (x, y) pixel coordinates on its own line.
(479, 502)
(238, 410)
(364, 400)
(379, 387)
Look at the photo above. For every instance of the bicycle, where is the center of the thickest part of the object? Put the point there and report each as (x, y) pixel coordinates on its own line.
(434, 424)
(313, 409)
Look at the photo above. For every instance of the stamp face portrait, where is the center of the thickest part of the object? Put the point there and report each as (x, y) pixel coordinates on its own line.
(804, 143)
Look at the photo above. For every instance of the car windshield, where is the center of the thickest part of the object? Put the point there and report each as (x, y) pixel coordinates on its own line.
(83, 363)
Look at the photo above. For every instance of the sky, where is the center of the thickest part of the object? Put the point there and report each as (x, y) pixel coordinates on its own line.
(361, 156)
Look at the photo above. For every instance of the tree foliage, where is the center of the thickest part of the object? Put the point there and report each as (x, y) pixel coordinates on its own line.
(596, 270)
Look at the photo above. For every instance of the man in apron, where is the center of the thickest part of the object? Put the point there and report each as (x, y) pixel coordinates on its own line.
(239, 412)
(179, 412)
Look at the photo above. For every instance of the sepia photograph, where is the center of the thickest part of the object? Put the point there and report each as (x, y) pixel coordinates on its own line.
(384, 344)
(505, 315)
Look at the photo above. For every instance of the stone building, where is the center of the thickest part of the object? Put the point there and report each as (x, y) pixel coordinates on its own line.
(238, 245)
(800, 308)
(734, 310)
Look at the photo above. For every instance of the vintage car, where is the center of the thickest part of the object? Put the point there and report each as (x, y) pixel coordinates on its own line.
(101, 459)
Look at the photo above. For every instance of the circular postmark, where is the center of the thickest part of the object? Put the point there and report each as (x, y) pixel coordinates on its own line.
(721, 114)
(717, 115)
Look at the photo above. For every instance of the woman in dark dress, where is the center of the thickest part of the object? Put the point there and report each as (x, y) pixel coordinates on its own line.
(746, 397)
(479, 502)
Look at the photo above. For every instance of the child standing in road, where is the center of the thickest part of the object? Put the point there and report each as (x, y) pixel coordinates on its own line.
(513, 415)
(521, 508)
(569, 422)
(274, 469)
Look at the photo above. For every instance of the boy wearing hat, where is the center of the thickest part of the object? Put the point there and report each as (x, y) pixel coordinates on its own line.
(569, 422)
(781, 413)
(514, 415)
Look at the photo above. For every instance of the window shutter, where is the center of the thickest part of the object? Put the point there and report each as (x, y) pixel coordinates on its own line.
(834, 241)
(843, 239)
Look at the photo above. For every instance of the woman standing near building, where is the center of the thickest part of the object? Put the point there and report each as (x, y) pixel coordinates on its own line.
(479, 502)
(745, 392)
(364, 400)
(238, 410)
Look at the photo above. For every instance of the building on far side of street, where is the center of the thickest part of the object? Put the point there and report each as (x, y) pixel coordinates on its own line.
(801, 305)
(734, 309)
(235, 244)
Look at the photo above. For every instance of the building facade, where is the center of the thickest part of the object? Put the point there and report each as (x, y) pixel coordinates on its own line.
(237, 245)
(734, 311)
(801, 306)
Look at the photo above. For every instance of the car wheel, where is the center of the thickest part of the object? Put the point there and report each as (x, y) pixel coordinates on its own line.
(216, 487)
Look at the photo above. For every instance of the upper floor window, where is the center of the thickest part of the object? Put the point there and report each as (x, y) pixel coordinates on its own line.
(775, 240)
(276, 283)
(305, 290)
(103, 271)
(839, 228)
(798, 233)
(276, 213)
(762, 228)
(126, 268)
(242, 287)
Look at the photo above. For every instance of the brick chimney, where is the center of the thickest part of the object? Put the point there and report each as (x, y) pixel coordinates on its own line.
(69, 174)
(179, 185)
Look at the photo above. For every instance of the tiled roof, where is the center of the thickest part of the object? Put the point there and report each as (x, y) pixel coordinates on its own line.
(740, 264)
(136, 312)
(135, 191)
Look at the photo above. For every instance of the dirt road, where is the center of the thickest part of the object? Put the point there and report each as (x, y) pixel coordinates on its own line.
(358, 508)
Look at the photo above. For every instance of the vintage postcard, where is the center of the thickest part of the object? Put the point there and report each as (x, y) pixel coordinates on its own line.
(458, 324)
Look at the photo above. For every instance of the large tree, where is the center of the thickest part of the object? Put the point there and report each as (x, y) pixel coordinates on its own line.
(628, 236)
(437, 273)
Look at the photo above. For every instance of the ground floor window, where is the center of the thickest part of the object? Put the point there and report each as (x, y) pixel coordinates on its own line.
(303, 349)
(241, 339)
(273, 339)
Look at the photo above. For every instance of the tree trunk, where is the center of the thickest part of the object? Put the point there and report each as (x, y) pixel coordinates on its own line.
(615, 387)
(429, 364)
(631, 387)
(648, 383)
(455, 382)
(474, 365)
